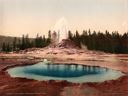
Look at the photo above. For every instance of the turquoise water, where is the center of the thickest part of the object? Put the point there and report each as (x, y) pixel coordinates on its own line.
(70, 72)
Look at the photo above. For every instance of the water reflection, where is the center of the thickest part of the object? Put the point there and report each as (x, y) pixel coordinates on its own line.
(65, 70)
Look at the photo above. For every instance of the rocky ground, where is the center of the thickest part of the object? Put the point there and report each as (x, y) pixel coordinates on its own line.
(26, 87)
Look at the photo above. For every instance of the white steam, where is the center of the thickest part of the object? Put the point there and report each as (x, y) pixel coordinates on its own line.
(61, 28)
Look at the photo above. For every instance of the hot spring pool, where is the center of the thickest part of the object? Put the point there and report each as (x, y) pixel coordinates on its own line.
(70, 72)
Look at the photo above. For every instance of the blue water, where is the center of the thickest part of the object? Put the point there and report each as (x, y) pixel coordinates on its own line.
(69, 72)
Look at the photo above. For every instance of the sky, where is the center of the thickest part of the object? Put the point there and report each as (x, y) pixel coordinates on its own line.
(19, 17)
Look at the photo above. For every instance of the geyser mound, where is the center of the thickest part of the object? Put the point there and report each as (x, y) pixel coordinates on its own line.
(65, 43)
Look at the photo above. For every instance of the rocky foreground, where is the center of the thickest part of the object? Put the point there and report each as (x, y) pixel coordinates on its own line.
(26, 87)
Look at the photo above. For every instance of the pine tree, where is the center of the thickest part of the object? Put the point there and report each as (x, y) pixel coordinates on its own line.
(27, 42)
(70, 35)
(37, 41)
(49, 35)
(3, 47)
(14, 44)
(8, 47)
(23, 43)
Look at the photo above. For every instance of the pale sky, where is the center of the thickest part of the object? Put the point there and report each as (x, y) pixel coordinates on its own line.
(19, 17)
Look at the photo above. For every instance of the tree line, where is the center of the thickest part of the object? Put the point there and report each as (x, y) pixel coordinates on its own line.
(25, 42)
(107, 42)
